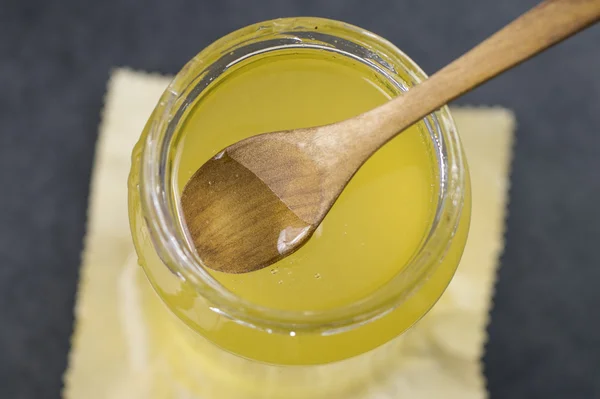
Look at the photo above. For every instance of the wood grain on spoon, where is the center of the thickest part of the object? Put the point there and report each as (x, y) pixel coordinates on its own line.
(261, 199)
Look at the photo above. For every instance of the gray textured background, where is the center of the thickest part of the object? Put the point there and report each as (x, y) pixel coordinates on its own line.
(55, 59)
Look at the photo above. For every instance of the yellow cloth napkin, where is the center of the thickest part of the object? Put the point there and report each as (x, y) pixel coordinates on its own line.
(113, 355)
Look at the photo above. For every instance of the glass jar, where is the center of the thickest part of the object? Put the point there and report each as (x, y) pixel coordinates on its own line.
(238, 346)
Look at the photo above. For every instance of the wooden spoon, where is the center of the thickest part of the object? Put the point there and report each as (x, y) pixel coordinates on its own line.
(261, 199)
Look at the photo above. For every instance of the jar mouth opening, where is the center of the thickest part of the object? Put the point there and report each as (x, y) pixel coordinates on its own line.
(159, 201)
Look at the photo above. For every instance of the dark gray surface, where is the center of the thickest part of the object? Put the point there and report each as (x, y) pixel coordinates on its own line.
(55, 58)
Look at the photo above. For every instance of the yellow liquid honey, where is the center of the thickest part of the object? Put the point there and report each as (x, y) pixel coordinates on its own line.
(372, 232)
(380, 219)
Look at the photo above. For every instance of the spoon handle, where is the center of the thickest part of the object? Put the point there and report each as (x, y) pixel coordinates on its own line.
(541, 27)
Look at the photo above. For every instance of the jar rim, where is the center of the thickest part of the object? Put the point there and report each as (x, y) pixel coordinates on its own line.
(158, 203)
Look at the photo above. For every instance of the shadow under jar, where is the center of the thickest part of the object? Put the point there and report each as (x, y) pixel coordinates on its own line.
(324, 321)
